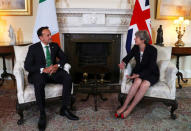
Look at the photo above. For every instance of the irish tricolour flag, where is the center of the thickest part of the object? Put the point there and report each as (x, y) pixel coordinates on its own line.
(46, 16)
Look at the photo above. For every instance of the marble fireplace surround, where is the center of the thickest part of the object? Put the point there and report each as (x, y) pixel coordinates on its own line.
(95, 21)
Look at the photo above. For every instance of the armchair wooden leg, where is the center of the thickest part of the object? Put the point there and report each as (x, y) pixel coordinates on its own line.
(174, 106)
(19, 110)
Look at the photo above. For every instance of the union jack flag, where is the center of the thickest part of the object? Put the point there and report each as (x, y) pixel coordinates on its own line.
(140, 20)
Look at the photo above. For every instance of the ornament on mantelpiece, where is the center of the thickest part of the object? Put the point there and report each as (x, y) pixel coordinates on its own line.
(19, 36)
(159, 40)
(12, 36)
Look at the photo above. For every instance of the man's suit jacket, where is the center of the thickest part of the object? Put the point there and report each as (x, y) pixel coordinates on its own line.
(35, 58)
(148, 66)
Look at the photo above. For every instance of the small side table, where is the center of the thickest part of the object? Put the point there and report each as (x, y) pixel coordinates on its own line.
(94, 83)
(5, 51)
(180, 51)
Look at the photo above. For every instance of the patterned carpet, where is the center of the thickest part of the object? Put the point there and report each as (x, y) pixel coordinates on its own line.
(147, 116)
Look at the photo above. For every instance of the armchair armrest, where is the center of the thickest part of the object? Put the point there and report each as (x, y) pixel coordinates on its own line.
(67, 67)
(170, 77)
(125, 72)
(19, 75)
(170, 74)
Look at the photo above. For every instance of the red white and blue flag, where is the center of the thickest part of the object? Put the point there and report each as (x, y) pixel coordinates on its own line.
(140, 20)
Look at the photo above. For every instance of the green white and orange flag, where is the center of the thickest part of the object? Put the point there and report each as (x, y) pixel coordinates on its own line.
(46, 16)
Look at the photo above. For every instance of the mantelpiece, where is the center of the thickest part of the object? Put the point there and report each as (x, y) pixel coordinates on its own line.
(95, 21)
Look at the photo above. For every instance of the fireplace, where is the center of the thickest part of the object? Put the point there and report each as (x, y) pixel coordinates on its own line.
(92, 53)
(87, 26)
(99, 50)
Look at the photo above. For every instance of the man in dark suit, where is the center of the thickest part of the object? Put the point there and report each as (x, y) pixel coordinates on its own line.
(41, 63)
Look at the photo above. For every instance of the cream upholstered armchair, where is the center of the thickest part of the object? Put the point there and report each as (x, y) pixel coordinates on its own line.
(165, 89)
(25, 90)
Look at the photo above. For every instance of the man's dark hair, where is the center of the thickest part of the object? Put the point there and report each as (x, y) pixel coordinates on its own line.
(39, 31)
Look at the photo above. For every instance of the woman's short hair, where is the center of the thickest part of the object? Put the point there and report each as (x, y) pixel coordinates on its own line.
(143, 35)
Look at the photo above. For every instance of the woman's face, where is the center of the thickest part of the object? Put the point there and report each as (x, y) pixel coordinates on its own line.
(138, 41)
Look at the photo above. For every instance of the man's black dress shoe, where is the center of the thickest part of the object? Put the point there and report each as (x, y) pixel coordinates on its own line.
(68, 114)
(42, 123)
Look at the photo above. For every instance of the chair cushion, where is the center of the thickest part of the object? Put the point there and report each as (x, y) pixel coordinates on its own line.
(163, 53)
(158, 90)
(162, 64)
(51, 91)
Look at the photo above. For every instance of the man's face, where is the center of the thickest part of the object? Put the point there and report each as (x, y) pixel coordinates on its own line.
(46, 36)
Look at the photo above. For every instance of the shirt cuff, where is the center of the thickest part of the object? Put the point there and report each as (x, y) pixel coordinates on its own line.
(41, 70)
